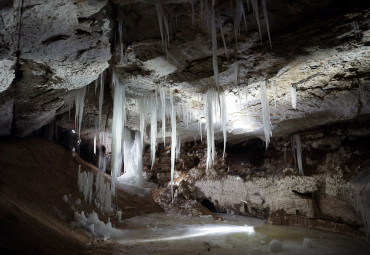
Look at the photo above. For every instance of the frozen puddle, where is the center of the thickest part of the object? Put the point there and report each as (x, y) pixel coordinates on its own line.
(172, 234)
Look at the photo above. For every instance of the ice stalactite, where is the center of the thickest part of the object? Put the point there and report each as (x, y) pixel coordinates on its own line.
(255, 10)
(153, 125)
(103, 194)
(80, 104)
(297, 150)
(214, 44)
(139, 158)
(219, 22)
(265, 113)
(274, 92)
(215, 111)
(200, 120)
(192, 12)
(293, 96)
(162, 96)
(223, 120)
(266, 20)
(163, 24)
(101, 98)
(173, 140)
(132, 156)
(118, 124)
(121, 60)
(209, 98)
(178, 147)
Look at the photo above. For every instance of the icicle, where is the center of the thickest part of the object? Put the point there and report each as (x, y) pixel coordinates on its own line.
(255, 10)
(199, 119)
(293, 96)
(162, 96)
(265, 113)
(222, 35)
(80, 103)
(173, 141)
(159, 8)
(298, 149)
(101, 98)
(178, 147)
(223, 119)
(118, 124)
(132, 156)
(266, 20)
(192, 12)
(214, 44)
(153, 126)
(121, 60)
(209, 101)
(95, 144)
(274, 90)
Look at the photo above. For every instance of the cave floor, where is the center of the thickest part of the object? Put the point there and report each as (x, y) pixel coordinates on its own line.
(35, 219)
(174, 234)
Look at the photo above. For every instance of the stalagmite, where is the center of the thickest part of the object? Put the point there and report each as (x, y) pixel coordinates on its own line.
(153, 125)
(265, 113)
(118, 124)
(80, 103)
(173, 140)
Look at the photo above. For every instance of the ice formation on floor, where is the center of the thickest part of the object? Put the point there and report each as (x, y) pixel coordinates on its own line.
(103, 194)
(102, 197)
(95, 226)
(265, 114)
(85, 184)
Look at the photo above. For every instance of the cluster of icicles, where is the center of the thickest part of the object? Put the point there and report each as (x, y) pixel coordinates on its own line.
(128, 147)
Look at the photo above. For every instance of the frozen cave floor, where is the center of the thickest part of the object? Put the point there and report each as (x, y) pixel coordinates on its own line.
(35, 218)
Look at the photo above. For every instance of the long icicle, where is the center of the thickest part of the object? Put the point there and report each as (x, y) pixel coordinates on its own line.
(266, 20)
(153, 126)
(265, 113)
(173, 141)
(80, 103)
(101, 98)
(162, 95)
(118, 124)
(214, 44)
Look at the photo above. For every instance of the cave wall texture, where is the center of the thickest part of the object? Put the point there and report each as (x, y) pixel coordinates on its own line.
(48, 49)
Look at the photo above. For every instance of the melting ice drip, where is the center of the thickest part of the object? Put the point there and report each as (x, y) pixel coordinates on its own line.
(102, 196)
(265, 114)
(215, 113)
